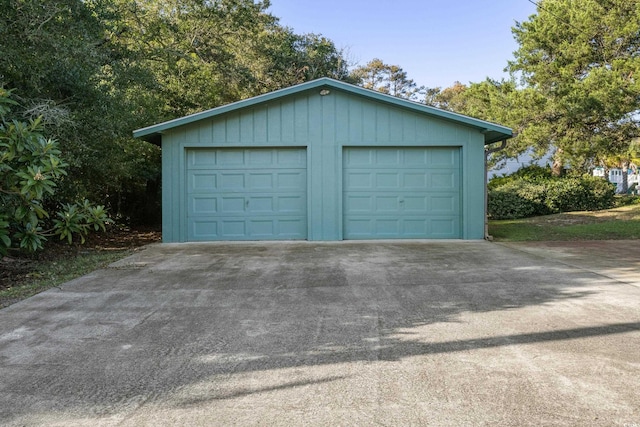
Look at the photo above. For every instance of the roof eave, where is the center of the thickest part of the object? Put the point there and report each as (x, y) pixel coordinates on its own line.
(493, 137)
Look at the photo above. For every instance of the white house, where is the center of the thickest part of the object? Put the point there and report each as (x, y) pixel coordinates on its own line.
(616, 177)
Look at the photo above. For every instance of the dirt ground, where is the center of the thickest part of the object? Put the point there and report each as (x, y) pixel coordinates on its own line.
(16, 268)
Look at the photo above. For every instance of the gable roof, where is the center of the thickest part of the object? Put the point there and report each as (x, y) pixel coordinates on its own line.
(492, 132)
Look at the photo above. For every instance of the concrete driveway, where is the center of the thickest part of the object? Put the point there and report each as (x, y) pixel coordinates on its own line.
(380, 333)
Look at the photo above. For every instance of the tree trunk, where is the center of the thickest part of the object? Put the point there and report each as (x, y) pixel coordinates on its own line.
(557, 168)
(625, 177)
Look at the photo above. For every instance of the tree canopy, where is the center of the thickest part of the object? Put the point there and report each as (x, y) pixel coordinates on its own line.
(385, 78)
(580, 57)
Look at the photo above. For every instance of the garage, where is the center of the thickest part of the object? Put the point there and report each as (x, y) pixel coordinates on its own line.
(246, 194)
(323, 161)
(402, 193)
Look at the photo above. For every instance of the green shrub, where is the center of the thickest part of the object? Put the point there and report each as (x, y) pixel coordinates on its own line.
(600, 194)
(532, 195)
(531, 173)
(30, 170)
(516, 199)
(564, 195)
(626, 200)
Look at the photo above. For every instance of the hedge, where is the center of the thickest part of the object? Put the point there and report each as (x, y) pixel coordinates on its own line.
(521, 197)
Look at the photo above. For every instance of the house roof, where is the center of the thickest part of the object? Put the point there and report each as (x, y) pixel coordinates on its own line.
(492, 132)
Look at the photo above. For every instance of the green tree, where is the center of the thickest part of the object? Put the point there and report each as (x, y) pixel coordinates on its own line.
(385, 78)
(580, 57)
(86, 89)
(290, 59)
(203, 54)
(451, 98)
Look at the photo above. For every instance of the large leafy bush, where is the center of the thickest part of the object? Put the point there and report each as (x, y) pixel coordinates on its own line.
(516, 199)
(30, 169)
(533, 191)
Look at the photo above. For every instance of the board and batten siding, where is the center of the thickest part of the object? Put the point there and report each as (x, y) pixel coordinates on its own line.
(323, 126)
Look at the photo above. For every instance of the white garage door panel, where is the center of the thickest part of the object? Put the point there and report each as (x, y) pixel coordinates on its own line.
(401, 193)
(246, 194)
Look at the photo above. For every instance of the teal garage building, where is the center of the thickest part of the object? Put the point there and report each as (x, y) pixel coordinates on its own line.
(323, 160)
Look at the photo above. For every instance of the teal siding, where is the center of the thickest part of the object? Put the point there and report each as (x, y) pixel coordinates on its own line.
(402, 193)
(323, 127)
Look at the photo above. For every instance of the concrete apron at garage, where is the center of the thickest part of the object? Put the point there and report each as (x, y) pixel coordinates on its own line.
(348, 333)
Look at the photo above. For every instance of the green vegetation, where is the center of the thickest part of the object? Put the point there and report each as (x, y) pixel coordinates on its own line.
(534, 191)
(612, 224)
(30, 170)
(49, 274)
(580, 58)
(385, 78)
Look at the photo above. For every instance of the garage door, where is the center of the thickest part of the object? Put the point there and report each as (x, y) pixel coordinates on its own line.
(401, 193)
(246, 194)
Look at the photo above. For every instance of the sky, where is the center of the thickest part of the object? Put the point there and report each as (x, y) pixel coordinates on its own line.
(437, 42)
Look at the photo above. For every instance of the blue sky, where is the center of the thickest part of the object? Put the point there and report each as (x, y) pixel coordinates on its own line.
(435, 41)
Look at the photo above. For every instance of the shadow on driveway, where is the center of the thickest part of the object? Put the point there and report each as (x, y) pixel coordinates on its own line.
(422, 333)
